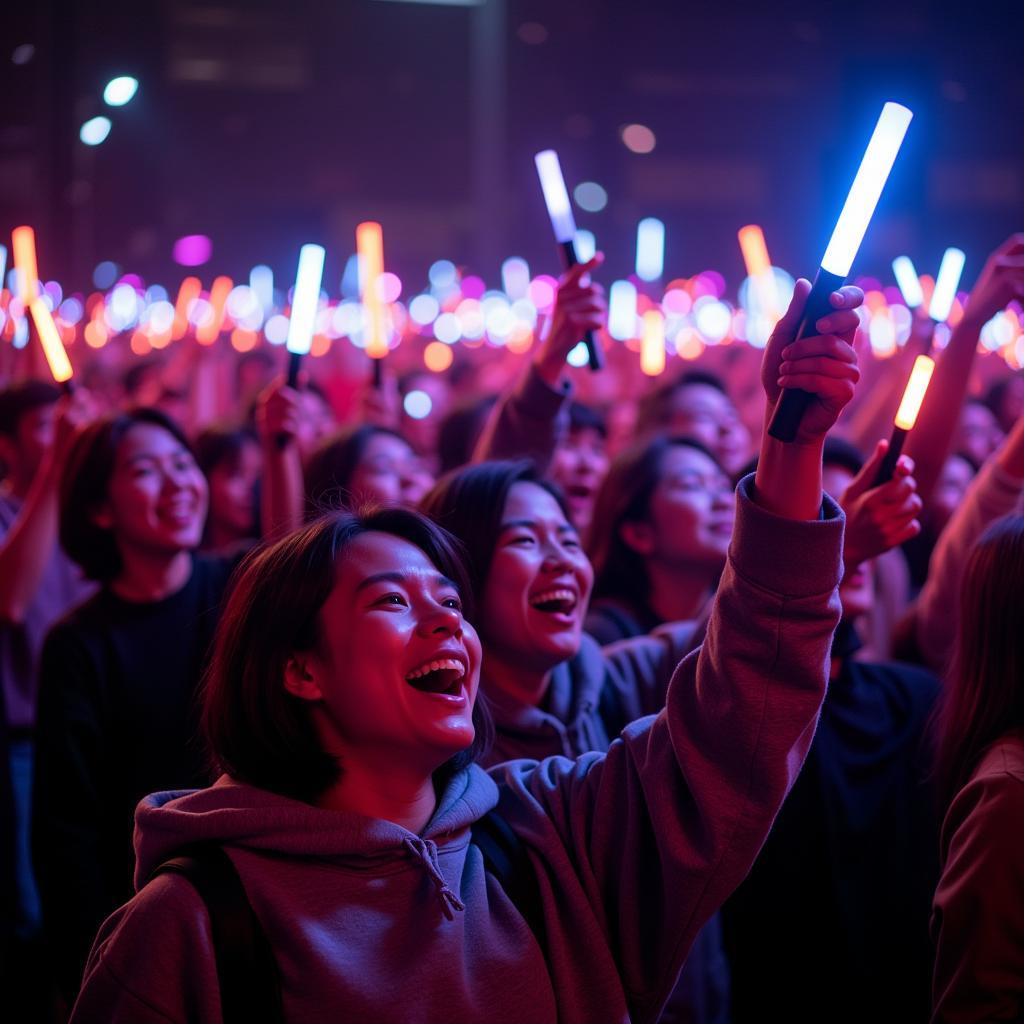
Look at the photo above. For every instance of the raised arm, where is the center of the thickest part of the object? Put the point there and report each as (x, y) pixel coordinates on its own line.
(1001, 280)
(530, 419)
(277, 417)
(660, 830)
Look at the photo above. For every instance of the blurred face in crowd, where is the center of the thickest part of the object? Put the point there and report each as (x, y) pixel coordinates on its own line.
(707, 415)
(578, 466)
(950, 490)
(539, 583)
(157, 497)
(978, 434)
(690, 516)
(857, 589)
(389, 471)
(316, 421)
(32, 439)
(232, 485)
(397, 667)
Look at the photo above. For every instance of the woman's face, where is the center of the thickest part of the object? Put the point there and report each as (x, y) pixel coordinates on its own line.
(232, 491)
(707, 415)
(950, 490)
(389, 471)
(539, 583)
(690, 519)
(978, 433)
(578, 466)
(397, 667)
(157, 496)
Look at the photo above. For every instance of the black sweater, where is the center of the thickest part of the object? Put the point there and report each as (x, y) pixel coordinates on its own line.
(117, 721)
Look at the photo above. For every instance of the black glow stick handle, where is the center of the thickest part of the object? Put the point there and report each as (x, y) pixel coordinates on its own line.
(794, 402)
(888, 466)
(294, 365)
(594, 353)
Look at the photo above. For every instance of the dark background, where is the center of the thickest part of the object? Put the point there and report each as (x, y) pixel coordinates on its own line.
(266, 124)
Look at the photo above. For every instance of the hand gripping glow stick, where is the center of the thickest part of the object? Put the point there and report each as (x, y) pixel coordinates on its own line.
(557, 199)
(946, 283)
(849, 231)
(906, 415)
(305, 300)
(909, 282)
(370, 250)
(23, 241)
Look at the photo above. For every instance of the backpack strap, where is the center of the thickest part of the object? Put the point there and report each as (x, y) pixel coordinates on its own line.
(250, 987)
(506, 859)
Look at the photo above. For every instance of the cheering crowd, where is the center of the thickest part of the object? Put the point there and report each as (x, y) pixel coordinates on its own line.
(579, 698)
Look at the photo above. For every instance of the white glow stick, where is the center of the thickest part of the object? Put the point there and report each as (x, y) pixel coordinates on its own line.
(622, 310)
(305, 299)
(586, 245)
(515, 277)
(946, 283)
(909, 282)
(650, 249)
(913, 394)
(866, 189)
(261, 281)
(555, 195)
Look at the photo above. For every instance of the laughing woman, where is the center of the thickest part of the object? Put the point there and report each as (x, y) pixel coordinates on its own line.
(342, 709)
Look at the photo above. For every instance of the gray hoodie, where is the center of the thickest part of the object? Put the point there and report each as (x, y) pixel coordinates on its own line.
(633, 849)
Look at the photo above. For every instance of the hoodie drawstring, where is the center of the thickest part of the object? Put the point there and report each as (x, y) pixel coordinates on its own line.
(426, 851)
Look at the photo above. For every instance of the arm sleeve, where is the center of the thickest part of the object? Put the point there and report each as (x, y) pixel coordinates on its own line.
(153, 961)
(992, 494)
(978, 917)
(528, 422)
(659, 831)
(67, 794)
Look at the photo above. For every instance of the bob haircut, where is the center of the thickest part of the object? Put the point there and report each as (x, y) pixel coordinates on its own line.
(216, 446)
(24, 398)
(625, 497)
(256, 730)
(331, 467)
(85, 484)
(984, 693)
(470, 503)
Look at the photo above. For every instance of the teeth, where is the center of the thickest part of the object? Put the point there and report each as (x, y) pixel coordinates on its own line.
(554, 595)
(436, 666)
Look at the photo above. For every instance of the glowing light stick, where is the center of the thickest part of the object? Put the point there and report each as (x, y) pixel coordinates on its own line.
(188, 292)
(650, 249)
(906, 415)
(208, 332)
(305, 300)
(946, 283)
(564, 225)
(53, 347)
(3, 263)
(860, 205)
(909, 282)
(652, 344)
(23, 241)
(370, 250)
(622, 310)
(759, 268)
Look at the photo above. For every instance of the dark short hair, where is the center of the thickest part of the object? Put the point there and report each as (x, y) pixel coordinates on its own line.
(459, 431)
(23, 398)
(653, 409)
(586, 417)
(256, 730)
(331, 467)
(838, 452)
(220, 444)
(625, 497)
(85, 484)
(470, 503)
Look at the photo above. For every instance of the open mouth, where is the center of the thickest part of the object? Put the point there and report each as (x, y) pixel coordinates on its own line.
(581, 491)
(442, 675)
(560, 601)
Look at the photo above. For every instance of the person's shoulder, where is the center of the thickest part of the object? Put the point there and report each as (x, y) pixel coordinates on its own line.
(82, 623)
(1003, 764)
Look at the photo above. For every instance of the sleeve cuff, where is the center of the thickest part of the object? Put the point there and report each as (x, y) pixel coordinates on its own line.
(537, 399)
(785, 556)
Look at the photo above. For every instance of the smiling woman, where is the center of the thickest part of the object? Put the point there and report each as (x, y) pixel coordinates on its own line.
(118, 675)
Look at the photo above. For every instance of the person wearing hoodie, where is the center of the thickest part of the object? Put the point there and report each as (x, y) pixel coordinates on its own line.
(341, 705)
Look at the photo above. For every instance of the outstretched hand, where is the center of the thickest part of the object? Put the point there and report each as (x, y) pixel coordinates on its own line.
(579, 307)
(277, 413)
(825, 364)
(1000, 282)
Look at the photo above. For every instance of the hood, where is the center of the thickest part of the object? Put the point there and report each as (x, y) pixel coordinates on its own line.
(574, 692)
(242, 816)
